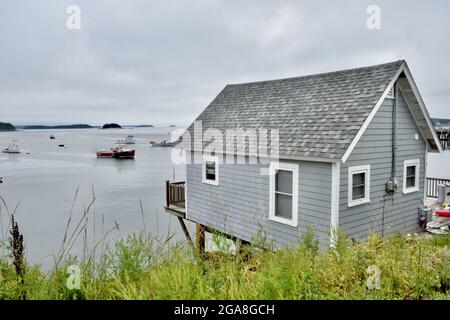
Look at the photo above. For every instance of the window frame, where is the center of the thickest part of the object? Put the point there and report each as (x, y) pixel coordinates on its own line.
(214, 159)
(351, 172)
(411, 163)
(284, 166)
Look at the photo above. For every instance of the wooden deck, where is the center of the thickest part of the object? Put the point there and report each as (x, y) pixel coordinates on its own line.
(175, 199)
(432, 186)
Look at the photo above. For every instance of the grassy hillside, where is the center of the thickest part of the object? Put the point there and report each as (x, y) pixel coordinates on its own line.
(142, 267)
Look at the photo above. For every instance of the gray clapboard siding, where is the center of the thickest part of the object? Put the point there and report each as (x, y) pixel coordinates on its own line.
(374, 148)
(239, 205)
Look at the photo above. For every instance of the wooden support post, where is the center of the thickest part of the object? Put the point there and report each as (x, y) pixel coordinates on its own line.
(167, 193)
(186, 233)
(241, 251)
(238, 244)
(200, 239)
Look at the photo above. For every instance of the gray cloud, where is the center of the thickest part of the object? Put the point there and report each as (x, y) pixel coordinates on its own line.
(161, 62)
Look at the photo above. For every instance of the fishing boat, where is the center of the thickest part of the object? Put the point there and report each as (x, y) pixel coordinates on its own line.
(128, 140)
(163, 143)
(104, 153)
(12, 148)
(118, 152)
(123, 153)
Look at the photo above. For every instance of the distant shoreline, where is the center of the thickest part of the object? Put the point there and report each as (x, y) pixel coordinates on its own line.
(6, 127)
(78, 126)
(42, 127)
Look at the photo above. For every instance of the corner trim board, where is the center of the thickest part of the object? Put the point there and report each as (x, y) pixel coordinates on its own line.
(335, 194)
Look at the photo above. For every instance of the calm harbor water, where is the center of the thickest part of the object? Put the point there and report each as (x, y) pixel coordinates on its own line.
(43, 183)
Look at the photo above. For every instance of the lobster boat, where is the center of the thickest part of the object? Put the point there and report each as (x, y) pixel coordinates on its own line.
(104, 154)
(117, 153)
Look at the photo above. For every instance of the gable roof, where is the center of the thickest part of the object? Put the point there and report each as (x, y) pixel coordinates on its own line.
(318, 116)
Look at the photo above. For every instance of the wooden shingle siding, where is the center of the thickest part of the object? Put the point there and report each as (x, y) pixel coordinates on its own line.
(375, 149)
(239, 205)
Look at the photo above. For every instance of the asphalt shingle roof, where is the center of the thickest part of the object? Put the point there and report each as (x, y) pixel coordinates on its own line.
(316, 115)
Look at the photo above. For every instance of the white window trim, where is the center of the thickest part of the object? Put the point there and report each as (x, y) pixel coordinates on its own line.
(274, 166)
(351, 172)
(410, 163)
(215, 159)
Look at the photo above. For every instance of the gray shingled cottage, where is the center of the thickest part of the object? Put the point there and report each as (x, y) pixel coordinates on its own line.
(352, 155)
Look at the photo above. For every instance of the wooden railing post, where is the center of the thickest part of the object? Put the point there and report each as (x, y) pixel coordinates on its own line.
(167, 193)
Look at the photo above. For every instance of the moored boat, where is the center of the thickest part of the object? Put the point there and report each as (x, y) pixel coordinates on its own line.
(104, 154)
(128, 140)
(163, 143)
(118, 152)
(123, 153)
(12, 148)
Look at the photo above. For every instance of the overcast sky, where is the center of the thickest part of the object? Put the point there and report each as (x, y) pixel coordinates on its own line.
(162, 62)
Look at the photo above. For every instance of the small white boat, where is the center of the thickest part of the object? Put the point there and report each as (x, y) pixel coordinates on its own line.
(12, 148)
(128, 140)
(163, 143)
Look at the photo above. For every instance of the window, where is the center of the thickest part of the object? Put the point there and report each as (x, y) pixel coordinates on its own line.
(411, 176)
(284, 193)
(358, 185)
(210, 170)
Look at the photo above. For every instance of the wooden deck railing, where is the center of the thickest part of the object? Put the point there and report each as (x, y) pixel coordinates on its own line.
(175, 194)
(432, 186)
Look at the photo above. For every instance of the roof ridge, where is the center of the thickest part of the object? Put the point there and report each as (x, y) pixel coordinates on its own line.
(320, 74)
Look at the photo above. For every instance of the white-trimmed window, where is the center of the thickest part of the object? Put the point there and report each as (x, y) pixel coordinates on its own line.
(358, 185)
(210, 170)
(411, 170)
(284, 193)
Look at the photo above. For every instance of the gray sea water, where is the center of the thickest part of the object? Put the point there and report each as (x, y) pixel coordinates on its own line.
(42, 185)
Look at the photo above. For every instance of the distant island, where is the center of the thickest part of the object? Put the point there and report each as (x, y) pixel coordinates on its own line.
(145, 126)
(6, 127)
(111, 126)
(69, 126)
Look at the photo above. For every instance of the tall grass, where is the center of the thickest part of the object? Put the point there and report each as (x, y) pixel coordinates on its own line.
(141, 266)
